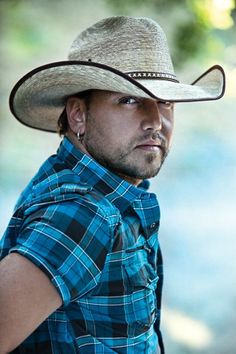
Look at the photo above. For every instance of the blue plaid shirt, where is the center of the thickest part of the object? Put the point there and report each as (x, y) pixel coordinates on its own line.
(95, 237)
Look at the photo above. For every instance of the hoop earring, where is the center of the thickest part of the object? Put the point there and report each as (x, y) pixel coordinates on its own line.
(80, 137)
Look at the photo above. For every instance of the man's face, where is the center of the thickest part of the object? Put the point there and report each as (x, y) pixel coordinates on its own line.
(128, 135)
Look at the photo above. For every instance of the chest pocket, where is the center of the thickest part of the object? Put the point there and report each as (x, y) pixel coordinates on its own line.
(141, 281)
(140, 269)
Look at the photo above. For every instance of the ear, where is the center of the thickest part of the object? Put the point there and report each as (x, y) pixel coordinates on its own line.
(76, 114)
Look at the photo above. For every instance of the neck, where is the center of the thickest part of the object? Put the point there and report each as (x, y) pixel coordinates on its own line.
(74, 140)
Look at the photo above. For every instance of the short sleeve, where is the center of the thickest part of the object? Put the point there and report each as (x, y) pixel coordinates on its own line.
(68, 241)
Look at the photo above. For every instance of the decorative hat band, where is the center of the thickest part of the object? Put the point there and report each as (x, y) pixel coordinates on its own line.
(152, 75)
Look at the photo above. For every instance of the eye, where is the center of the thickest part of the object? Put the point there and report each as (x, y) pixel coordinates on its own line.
(129, 100)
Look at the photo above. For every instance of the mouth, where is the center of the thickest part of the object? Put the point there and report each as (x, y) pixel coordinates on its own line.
(151, 146)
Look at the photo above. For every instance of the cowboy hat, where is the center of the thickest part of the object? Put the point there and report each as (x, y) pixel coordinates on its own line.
(121, 54)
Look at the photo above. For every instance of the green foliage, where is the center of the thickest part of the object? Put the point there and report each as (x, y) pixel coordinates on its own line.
(22, 37)
(188, 24)
(189, 21)
(190, 38)
(125, 5)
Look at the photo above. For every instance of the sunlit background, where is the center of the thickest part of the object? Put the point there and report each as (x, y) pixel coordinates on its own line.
(197, 186)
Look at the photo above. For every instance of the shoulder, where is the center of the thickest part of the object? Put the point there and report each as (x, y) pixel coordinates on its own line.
(62, 188)
(65, 205)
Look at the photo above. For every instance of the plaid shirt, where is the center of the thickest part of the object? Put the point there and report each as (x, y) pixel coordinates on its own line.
(95, 237)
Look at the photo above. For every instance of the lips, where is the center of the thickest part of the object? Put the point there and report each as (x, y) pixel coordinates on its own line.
(153, 146)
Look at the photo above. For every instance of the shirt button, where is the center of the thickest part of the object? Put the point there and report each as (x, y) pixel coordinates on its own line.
(147, 249)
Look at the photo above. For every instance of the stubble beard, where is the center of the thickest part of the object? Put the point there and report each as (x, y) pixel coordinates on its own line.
(121, 162)
(128, 167)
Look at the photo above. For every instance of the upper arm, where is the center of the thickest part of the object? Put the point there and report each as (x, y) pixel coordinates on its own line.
(69, 242)
(27, 298)
(58, 256)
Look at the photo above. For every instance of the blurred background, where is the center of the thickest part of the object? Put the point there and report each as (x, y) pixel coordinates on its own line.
(197, 185)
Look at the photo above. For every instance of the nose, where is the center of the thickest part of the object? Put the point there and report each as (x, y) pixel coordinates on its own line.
(153, 118)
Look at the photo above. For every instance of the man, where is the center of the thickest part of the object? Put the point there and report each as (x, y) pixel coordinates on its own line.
(81, 268)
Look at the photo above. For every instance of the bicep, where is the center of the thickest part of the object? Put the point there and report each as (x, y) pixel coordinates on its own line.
(27, 298)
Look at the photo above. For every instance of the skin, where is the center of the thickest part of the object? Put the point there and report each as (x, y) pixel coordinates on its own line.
(129, 135)
(27, 298)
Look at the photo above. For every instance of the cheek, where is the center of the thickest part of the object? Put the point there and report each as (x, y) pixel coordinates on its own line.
(110, 130)
(167, 129)
(170, 127)
(168, 123)
(101, 135)
(114, 131)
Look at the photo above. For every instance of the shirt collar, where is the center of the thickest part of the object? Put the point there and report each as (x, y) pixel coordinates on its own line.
(118, 191)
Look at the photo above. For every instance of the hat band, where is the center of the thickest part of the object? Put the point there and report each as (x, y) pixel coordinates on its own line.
(151, 75)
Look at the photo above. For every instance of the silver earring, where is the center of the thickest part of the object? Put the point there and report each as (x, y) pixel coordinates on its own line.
(80, 136)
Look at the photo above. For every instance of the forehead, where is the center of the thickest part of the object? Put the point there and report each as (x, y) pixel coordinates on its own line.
(103, 95)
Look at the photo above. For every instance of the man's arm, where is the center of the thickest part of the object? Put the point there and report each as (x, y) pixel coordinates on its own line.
(27, 298)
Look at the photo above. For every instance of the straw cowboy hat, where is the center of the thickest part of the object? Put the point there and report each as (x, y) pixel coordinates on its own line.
(121, 54)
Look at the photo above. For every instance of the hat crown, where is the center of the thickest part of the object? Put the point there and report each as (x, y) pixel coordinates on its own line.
(136, 47)
(125, 43)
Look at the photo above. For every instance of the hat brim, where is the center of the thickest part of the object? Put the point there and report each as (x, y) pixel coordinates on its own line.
(38, 99)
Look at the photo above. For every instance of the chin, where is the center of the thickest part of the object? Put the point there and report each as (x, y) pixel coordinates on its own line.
(145, 174)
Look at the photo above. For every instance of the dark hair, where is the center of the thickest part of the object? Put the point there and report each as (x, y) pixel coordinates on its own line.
(62, 123)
